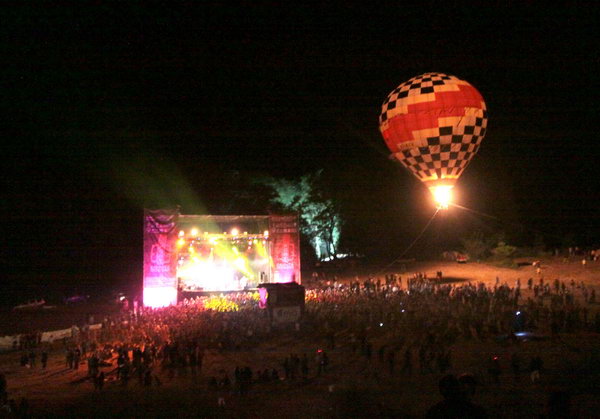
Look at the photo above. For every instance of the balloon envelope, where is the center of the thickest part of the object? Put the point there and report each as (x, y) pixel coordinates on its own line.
(433, 124)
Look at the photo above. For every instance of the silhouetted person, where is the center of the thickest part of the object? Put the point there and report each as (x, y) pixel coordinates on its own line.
(69, 358)
(44, 358)
(468, 385)
(3, 388)
(535, 366)
(559, 405)
(32, 357)
(494, 369)
(455, 403)
(23, 411)
(515, 363)
(99, 381)
(407, 367)
(304, 366)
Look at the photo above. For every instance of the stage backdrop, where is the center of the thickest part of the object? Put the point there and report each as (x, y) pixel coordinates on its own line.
(160, 259)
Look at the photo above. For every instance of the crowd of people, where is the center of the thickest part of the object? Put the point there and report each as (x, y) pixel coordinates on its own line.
(406, 325)
(9, 406)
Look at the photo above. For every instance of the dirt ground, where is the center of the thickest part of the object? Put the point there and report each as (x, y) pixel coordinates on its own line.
(352, 387)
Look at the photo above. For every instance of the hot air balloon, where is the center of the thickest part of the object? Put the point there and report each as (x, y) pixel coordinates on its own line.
(433, 124)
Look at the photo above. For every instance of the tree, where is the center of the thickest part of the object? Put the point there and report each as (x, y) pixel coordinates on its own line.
(319, 213)
(478, 246)
(504, 250)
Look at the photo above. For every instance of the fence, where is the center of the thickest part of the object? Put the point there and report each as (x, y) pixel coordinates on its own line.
(8, 343)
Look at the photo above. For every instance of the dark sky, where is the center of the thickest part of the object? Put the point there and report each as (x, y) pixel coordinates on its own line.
(110, 108)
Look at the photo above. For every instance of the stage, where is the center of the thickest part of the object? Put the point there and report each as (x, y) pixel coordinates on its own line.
(190, 255)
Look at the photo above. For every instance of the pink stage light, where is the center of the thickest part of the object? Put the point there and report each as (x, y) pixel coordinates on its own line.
(284, 276)
(160, 297)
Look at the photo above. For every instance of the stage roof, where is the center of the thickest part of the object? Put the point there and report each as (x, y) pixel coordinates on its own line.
(221, 223)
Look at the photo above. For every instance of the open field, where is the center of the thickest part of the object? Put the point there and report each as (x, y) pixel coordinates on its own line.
(352, 387)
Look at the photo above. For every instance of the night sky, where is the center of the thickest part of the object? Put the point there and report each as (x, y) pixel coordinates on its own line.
(112, 109)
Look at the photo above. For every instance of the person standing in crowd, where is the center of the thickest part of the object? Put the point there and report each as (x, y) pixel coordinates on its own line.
(32, 357)
(322, 361)
(44, 358)
(304, 366)
(24, 359)
(101, 379)
(494, 369)
(407, 366)
(535, 367)
(515, 363)
(76, 358)
(391, 359)
(3, 389)
(456, 403)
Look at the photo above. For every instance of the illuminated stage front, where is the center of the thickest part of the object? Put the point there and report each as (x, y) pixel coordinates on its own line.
(186, 254)
(217, 262)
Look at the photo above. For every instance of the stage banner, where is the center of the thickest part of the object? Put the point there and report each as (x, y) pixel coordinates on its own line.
(284, 234)
(160, 257)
